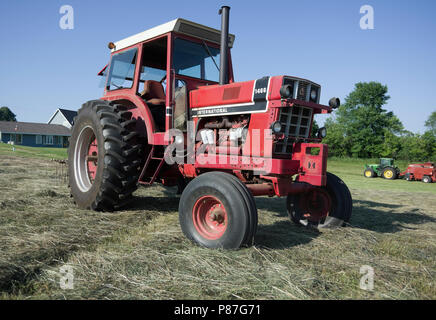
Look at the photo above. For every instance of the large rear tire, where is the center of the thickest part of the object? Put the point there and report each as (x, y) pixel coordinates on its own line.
(389, 173)
(327, 207)
(104, 156)
(215, 212)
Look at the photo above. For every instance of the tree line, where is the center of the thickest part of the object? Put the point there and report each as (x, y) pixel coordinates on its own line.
(361, 128)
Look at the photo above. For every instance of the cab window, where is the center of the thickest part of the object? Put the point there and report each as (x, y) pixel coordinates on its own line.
(122, 70)
(196, 60)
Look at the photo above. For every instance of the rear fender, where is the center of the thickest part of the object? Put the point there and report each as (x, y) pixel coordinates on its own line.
(140, 111)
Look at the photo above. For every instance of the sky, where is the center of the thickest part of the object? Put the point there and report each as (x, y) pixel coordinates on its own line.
(43, 67)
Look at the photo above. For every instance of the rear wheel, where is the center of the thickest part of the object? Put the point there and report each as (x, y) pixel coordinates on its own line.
(104, 156)
(329, 206)
(214, 212)
(369, 173)
(389, 173)
(426, 179)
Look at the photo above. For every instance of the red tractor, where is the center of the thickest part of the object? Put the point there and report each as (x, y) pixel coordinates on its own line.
(426, 172)
(172, 114)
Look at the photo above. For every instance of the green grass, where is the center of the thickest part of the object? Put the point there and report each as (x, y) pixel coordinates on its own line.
(33, 152)
(141, 253)
(351, 171)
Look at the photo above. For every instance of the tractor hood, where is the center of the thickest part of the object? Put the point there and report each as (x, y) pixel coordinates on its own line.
(253, 96)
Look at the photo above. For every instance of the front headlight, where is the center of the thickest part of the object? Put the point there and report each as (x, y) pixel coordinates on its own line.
(322, 132)
(313, 95)
(286, 91)
(276, 127)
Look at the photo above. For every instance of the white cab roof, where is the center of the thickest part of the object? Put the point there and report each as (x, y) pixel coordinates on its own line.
(178, 25)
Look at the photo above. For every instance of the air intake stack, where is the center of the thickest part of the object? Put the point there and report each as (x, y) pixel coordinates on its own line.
(224, 50)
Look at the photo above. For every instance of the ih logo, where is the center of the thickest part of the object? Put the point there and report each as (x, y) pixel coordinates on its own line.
(311, 165)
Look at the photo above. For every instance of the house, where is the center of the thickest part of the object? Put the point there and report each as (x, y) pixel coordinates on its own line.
(34, 134)
(63, 117)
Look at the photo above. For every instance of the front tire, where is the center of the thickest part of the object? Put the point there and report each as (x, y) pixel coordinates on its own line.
(215, 212)
(369, 173)
(104, 156)
(326, 207)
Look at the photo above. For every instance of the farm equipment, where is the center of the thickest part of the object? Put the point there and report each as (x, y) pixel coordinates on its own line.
(171, 115)
(426, 172)
(385, 169)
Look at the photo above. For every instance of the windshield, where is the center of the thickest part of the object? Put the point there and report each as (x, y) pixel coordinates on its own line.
(122, 70)
(196, 60)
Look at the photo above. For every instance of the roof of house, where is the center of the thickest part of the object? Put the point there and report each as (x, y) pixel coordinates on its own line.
(68, 115)
(178, 25)
(34, 128)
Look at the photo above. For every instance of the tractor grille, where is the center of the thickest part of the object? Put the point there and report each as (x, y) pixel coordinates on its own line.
(302, 89)
(296, 122)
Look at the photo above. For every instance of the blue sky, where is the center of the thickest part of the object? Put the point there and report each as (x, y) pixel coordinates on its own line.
(43, 67)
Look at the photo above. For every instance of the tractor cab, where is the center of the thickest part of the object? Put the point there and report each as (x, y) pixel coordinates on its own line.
(386, 162)
(160, 66)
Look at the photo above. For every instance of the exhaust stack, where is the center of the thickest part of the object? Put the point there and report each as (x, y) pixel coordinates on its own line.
(224, 46)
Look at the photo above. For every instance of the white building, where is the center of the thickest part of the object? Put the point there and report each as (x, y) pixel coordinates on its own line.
(63, 117)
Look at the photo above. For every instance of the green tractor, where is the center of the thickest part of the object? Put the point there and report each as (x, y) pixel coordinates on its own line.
(385, 169)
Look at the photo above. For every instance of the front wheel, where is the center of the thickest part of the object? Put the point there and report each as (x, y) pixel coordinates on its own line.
(215, 212)
(322, 207)
(369, 173)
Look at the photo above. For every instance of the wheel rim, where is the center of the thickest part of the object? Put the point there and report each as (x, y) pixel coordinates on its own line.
(210, 217)
(388, 174)
(85, 159)
(368, 174)
(316, 205)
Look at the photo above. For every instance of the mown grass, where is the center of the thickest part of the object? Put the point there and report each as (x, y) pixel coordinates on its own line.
(32, 152)
(140, 252)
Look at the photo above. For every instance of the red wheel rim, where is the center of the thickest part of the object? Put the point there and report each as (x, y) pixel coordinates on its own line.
(315, 205)
(210, 217)
(92, 158)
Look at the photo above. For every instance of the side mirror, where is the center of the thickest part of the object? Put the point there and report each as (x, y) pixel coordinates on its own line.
(334, 103)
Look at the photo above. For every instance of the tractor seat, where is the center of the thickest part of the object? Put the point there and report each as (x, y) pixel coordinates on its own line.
(153, 93)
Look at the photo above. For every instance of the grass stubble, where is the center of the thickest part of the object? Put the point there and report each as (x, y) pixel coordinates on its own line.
(141, 253)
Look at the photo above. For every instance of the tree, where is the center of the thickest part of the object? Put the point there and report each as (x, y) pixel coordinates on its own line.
(362, 128)
(7, 115)
(430, 124)
(336, 139)
(415, 147)
(315, 128)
